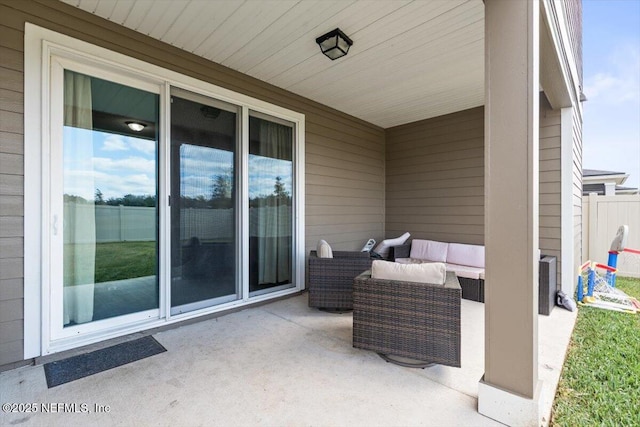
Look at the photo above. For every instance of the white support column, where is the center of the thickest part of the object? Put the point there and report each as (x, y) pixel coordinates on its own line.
(509, 391)
(593, 226)
(567, 246)
(609, 188)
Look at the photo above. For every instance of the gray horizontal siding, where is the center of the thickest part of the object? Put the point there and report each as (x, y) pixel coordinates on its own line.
(550, 187)
(435, 178)
(573, 16)
(11, 191)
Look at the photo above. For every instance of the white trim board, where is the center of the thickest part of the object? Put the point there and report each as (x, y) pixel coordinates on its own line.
(567, 246)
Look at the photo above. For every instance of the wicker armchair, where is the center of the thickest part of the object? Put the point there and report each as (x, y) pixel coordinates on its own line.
(331, 279)
(410, 320)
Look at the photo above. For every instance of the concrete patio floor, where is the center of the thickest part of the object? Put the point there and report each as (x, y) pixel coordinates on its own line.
(281, 364)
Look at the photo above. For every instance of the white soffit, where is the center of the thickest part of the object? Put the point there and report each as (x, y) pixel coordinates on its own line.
(410, 60)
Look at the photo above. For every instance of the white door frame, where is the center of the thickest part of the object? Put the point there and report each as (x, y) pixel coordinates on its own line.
(40, 46)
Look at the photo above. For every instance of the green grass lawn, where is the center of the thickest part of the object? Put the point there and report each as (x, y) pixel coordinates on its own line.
(124, 260)
(600, 380)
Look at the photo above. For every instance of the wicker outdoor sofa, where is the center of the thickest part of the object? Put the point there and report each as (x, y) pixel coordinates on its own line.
(331, 279)
(418, 321)
(471, 277)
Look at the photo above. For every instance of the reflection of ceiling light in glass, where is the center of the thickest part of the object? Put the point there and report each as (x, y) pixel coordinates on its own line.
(135, 126)
(209, 112)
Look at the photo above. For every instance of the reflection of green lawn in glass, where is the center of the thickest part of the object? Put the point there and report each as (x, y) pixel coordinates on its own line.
(125, 260)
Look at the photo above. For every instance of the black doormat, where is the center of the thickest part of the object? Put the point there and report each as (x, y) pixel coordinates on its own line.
(83, 365)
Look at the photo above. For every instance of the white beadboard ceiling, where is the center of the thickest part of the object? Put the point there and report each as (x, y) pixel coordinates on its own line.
(410, 60)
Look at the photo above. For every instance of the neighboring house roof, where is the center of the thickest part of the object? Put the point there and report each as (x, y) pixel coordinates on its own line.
(626, 190)
(594, 180)
(596, 172)
(599, 189)
(595, 175)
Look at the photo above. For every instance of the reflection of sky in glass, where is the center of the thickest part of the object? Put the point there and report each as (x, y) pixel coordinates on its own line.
(199, 167)
(115, 164)
(120, 165)
(263, 172)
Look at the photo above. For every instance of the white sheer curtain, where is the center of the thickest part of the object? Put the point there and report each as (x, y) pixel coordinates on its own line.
(79, 215)
(274, 213)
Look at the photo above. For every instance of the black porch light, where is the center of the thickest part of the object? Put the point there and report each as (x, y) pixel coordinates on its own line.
(335, 44)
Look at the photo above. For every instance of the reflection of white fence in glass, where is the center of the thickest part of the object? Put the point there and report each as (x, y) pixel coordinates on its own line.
(207, 224)
(133, 223)
(116, 223)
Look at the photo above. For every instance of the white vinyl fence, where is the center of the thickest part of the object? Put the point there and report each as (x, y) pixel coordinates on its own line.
(601, 217)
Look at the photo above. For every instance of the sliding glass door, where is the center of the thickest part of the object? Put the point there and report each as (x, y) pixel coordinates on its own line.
(106, 200)
(163, 203)
(270, 204)
(204, 141)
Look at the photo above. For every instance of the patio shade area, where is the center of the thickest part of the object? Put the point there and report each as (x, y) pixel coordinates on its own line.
(281, 364)
(458, 121)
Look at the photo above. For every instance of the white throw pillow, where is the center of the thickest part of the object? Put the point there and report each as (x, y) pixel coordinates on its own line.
(461, 254)
(429, 250)
(434, 272)
(383, 247)
(324, 250)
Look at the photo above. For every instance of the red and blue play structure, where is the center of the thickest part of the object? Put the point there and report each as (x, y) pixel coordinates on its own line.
(587, 270)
